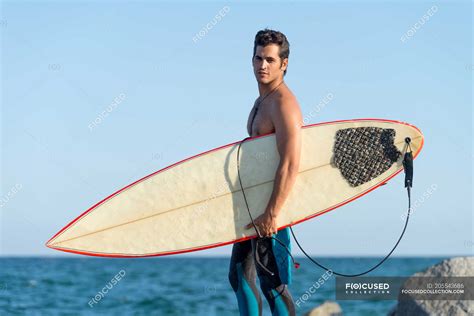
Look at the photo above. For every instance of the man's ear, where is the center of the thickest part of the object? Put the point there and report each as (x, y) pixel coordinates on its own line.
(284, 64)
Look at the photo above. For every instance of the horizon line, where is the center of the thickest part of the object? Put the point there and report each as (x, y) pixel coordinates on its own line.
(181, 256)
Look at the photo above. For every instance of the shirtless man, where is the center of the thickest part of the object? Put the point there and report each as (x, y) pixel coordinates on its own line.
(275, 110)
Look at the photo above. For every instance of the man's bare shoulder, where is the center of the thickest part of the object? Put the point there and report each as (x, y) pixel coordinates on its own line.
(286, 105)
(286, 111)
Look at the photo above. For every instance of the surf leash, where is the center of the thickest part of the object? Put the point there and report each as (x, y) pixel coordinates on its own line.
(408, 169)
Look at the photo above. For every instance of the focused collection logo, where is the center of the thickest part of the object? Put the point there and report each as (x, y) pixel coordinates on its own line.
(367, 288)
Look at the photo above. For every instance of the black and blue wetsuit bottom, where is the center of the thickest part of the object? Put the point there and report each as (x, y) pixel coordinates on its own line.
(243, 271)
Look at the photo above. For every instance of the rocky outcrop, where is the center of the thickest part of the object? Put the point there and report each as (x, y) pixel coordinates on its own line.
(462, 266)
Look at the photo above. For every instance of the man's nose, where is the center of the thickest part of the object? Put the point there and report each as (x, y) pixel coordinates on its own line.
(264, 64)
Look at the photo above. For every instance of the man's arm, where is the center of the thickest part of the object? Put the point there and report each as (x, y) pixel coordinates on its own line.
(287, 122)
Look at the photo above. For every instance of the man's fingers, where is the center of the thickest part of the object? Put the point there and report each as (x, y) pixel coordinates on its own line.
(257, 228)
(250, 225)
(270, 234)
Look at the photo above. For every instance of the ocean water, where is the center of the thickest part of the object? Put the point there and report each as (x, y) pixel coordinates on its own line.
(166, 285)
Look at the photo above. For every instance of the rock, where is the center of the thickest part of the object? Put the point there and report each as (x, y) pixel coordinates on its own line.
(328, 308)
(461, 266)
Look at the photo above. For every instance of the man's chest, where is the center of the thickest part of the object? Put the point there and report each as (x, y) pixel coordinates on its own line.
(260, 121)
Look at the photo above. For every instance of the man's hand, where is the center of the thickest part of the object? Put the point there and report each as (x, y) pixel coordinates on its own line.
(266, 224)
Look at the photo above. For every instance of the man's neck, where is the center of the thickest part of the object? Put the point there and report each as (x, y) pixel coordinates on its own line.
(264, 89)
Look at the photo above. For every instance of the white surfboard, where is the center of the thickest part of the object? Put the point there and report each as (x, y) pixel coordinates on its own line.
(197, 203)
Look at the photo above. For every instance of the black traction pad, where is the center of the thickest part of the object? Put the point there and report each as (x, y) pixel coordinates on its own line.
(364, 153)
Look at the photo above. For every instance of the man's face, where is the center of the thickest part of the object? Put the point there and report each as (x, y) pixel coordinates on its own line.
(267, 65)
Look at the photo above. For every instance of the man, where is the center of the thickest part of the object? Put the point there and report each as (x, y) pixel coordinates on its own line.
(275, 110)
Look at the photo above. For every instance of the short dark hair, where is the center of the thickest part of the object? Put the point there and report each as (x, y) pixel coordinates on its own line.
(266, 37)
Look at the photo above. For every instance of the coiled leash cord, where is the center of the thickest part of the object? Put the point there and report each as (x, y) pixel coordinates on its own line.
(408, 169)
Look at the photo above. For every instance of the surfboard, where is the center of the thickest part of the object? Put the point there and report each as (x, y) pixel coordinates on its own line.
(197, 203)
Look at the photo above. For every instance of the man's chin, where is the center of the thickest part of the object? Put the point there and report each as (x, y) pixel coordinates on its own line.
(263, 80)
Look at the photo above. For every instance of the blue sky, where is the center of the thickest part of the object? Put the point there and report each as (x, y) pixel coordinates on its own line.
(63, 64)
